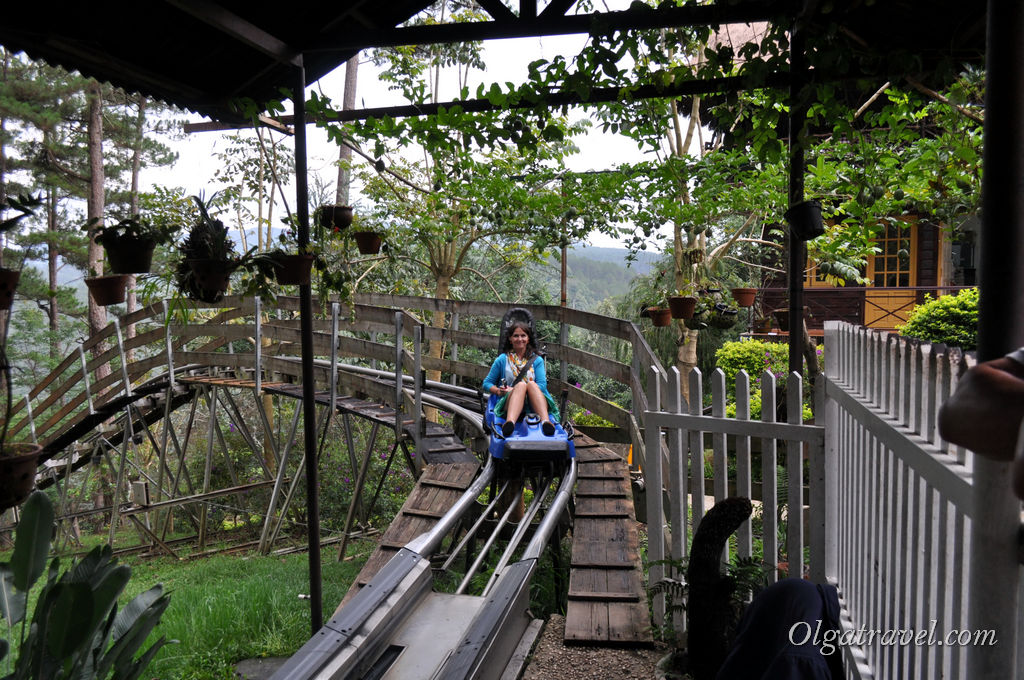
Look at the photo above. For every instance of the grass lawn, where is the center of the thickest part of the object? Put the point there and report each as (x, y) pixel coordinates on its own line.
(228, 608)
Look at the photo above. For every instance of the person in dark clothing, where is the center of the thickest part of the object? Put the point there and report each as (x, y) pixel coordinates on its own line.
(785, 634)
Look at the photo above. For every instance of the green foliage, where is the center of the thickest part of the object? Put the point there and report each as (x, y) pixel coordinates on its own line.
(754, 357)
(586, 418)
(24, 205)
(234, 607)
(76, 628)
(755, 407)
(950, 319)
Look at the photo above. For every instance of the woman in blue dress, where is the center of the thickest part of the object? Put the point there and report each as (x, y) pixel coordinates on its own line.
(530, 392)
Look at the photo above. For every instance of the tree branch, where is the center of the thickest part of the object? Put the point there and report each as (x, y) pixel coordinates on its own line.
(487, 280)
(945, 100)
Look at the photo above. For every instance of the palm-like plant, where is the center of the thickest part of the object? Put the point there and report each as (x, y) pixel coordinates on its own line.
(207, 257)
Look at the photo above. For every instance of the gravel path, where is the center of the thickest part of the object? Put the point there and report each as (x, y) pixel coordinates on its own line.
(551, 659)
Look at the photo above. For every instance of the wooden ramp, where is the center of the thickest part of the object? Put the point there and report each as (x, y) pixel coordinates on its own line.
(607, 601)
(440, 445)
(437, 489)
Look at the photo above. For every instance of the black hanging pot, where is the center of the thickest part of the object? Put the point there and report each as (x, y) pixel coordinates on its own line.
(804, 219)
(334, 217)
(129, 254)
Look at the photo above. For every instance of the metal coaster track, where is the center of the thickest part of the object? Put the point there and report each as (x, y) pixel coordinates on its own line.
(146, 377)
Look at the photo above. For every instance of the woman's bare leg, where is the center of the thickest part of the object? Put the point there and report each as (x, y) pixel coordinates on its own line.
(538, 401)
(516, 399)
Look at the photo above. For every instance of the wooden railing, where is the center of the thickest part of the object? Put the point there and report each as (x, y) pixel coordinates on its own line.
(168, 340)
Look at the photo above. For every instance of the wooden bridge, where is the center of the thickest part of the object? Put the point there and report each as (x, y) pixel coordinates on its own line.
(176, 381)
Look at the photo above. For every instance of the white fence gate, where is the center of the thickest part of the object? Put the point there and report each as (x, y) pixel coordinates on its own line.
(888, 505)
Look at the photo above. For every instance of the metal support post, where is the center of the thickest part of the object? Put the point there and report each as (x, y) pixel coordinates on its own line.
(797, 249)
(85, 379)
(995, 519)
(257, 373)
(308, 381)
(399, 401)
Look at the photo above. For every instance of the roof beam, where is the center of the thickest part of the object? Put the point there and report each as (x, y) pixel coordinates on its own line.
(239, 29)
(547, 24)
(561, 98)
(556, 8)
(497, 10)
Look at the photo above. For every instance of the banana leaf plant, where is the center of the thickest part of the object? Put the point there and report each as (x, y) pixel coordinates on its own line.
(76, 629)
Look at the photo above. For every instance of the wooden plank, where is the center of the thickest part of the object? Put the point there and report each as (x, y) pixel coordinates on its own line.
(603, 596)
(596, 580)
(604, 556)
(586, 622)
(604, 530)
(415, 512)
(439, 486)
(628, 623)
(607, 601)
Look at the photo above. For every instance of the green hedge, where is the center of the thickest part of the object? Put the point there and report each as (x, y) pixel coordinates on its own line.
(754, 357)
(952, 319)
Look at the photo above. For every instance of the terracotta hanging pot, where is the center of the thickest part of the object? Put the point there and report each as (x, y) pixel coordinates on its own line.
(293, 269)
(129, 254)
(368, 242)
(8, 284)
(744, 297)
(108, 290)
(660, 316)
(682, 307)
(17, 473)
(334, 217)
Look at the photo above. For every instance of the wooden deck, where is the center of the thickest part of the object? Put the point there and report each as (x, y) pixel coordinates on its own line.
(437, 489)
(607, 601)
(440, 444)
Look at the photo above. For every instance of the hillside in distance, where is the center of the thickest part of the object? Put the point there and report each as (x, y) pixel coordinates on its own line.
(594, 274)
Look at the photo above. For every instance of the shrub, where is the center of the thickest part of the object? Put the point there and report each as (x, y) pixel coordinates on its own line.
(755, 407)
(951, 319)
(754, 357)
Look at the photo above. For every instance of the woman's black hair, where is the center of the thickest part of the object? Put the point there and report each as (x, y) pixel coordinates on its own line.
(531, 343)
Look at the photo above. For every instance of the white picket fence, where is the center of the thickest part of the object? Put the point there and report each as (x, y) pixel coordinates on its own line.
(886, 512)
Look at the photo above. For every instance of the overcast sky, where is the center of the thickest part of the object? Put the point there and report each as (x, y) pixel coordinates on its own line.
(507, 60)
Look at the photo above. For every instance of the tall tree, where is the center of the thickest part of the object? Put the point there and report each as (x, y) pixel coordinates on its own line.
(444, 185)
(96, 200)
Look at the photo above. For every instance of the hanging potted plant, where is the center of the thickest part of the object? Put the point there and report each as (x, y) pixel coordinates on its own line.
(129, 243)
(334, 217)
(368, 242)
(724, 315)
(18, 460)
(744, 297)
(290, 264)
(9, 276)
(683, 302)
(805, 219)
(207, 257)
(660, 316)
(107, 290)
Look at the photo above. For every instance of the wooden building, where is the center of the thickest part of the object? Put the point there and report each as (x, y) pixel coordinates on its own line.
(914, 260)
